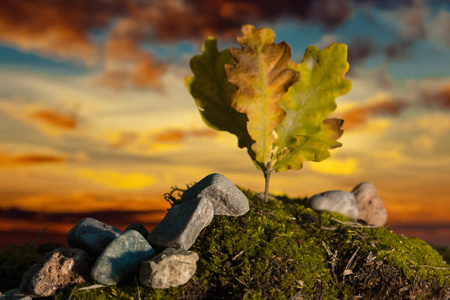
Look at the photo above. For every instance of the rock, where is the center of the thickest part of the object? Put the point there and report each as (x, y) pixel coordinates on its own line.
(58, 269)
(170, 268)
(371, 208)
(336, 201)
(226, 198)
(122, 257)
(182, 224)
(92, 236)
(139, 228)
(14, 294)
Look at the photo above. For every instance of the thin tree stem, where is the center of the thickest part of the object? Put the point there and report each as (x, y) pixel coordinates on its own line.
(267, 177)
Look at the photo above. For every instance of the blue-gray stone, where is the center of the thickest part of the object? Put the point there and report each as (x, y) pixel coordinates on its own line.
(182, 224)
(225, 197)
(121, 258)
(14, 294)
(336, 201)
(92, 236)
(139, 228)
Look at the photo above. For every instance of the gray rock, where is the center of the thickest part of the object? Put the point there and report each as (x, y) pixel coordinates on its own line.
(371, 208)
(226, 198)
(92, 236)
(14, 294)
(336, 201)
(139, 228)
(58, 269)
(170, 268)
(122, 257)
(182, 224)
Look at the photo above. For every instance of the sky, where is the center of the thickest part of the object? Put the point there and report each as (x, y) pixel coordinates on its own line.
(95, 118)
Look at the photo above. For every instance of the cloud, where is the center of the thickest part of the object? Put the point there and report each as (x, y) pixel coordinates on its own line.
(438, 97)
(55, 118)
(66, 30)
(116, 179)
(29, 159)
(178, 136)
(143, 72)
(56, 28)
(124, 139)
(360, 115)
(51, 121)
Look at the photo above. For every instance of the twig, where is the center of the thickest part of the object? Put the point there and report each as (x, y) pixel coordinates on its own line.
(94, 286)
(241, 282)
(237, 255)
(137, 287)
(439, 268)
(72, 292)
(355, 225)
(328, 228)
(39, 236)
(348, 271)
(333, 257)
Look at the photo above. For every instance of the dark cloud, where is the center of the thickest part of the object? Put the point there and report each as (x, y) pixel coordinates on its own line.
(360, 49)
(56, 27)
(24, 225)
(65, 29)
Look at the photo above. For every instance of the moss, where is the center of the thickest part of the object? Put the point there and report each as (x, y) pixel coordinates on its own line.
(282, 249)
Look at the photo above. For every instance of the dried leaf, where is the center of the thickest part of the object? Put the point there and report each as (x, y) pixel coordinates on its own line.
(262, 76)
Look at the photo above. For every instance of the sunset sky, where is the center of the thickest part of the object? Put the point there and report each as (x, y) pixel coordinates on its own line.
(94, 114)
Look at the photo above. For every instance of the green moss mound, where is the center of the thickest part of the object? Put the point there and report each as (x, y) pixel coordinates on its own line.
(283, 250)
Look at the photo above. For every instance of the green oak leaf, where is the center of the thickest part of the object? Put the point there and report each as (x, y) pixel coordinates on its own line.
(212, 93)
(305, 133)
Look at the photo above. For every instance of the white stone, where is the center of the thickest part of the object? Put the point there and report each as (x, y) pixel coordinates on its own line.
(170, 268)
(336, 201)
(370, 206)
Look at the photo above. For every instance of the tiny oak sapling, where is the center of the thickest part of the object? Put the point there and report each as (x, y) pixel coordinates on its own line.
(277, 109)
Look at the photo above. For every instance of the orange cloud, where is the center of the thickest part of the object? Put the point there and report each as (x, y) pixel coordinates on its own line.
(144, 72)
(29, 159)
(55, 27)
(178, 136)
(55, 118)
(126, 63)
(51, 121)
(360, 115)
(64, 29)
(441, 97)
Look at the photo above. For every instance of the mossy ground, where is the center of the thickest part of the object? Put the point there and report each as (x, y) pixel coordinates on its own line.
(283, 250)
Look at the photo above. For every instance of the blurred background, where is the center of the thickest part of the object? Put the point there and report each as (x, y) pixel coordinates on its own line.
(95, 119)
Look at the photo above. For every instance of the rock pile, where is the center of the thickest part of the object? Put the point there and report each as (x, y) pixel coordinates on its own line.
(361, 203)
(161, 257)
